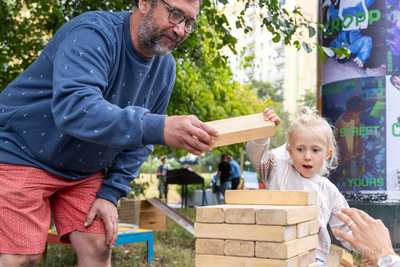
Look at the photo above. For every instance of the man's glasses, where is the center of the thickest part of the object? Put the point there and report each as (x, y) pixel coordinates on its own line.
(176, 17)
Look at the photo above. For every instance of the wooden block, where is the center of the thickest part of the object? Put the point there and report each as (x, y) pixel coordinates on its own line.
(334, 256)
(242, 129)
(286, 215)
(304, 259)
(231, 261)
(239, 248)
(271, 197)
(151, 217)
(346, 259)
(314, 227)
(210, 214)
(303, 229)
(312, 255)
(240, 215)
(245, 232)
(260, 214)
(210, 246)
(286, 250)
(314, 264)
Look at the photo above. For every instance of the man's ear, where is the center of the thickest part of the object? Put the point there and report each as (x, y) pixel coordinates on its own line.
(144, 7)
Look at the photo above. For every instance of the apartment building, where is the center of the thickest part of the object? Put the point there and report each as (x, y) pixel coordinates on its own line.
(293, 71)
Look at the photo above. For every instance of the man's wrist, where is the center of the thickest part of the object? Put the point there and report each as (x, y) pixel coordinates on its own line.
(388, 260)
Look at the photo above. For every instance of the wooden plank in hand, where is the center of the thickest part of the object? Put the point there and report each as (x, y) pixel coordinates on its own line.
(242, 129)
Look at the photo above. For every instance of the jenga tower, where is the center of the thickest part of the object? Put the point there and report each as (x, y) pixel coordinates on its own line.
(258, 228)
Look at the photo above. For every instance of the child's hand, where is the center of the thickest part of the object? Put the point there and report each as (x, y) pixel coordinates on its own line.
(270, 115)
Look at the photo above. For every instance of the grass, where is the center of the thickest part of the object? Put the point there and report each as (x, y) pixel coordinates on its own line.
(172, 247)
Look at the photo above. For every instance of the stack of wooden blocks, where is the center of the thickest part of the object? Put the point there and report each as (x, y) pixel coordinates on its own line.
(258, 228)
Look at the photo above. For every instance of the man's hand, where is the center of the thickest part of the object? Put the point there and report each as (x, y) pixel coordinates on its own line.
(107, 212)
(369, 237)
(189, 133)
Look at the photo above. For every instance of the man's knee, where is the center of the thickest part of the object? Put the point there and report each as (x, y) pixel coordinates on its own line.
(103, 254)
(90, 247)
(29, 260)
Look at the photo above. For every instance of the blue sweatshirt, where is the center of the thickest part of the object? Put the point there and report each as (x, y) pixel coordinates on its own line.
(89, 98)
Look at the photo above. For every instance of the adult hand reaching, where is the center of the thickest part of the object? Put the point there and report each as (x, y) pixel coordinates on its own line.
(370, 237)
(189, 133)
(107, 212)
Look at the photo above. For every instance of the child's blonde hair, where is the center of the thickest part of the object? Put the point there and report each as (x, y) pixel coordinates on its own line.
(310, 120)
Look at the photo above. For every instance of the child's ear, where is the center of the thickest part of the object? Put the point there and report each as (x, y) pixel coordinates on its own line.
(289, 150)
(329, 154)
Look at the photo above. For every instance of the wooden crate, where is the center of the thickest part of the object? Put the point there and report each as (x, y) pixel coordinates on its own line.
(151, 217)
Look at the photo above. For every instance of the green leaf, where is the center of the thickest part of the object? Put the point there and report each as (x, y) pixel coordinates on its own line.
(238, 24)
(58, 13)
(297, 45)
(216, 62)
(285, 11)
(345, 52)
(320, 26)
(191, 41)
(321, 54)
(338, 52)
(311, 31)
(276, 38)
(209, 35)
(328, 51)
(307, 47)
(46, 8)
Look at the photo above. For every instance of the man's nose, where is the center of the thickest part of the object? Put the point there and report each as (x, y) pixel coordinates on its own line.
(180, 29)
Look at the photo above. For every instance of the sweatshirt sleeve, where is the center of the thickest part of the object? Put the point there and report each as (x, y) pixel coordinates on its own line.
(335, 223)
(262, 160)
(122, 172)
(81, 67)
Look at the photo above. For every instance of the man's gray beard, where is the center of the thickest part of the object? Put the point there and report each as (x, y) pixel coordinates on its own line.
(150, 39)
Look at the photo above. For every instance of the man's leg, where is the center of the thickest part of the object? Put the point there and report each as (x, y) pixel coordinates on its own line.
(25, 214)
(91, 249)
(235, 183)
(70, 206)
(18, 260)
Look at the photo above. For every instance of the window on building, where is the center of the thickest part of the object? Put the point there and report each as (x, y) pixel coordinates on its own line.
(251, 22)
(261, 46)
(261, 31)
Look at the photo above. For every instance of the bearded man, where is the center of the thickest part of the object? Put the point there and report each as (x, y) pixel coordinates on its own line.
(96, 94)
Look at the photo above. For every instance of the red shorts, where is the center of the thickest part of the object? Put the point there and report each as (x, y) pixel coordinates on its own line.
(27, 195)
